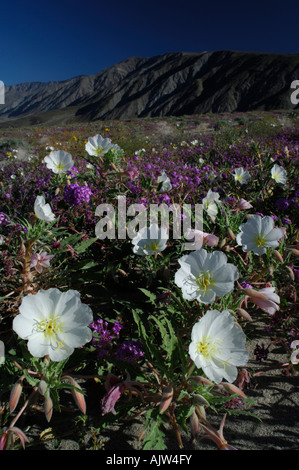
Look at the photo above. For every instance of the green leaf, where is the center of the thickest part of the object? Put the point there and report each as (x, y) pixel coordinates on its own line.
(154, 439)
(81, 247)
(151, 350)
(150, 295)
(168, 336)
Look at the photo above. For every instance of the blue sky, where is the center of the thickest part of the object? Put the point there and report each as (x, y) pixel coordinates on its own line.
(56, 40)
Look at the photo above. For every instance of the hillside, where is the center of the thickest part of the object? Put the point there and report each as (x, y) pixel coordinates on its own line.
(171, 84)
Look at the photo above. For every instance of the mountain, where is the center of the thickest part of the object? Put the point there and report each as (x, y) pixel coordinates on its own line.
(170, 84)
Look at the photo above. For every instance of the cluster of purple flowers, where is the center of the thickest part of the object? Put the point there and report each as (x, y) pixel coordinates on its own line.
(130, 351)
(104, 335)
(283, 204)
(104, 341)
(75, 194)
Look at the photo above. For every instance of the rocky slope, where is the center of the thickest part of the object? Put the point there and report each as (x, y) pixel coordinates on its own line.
(171, 84)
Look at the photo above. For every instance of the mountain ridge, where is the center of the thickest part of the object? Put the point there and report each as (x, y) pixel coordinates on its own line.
(170, 84)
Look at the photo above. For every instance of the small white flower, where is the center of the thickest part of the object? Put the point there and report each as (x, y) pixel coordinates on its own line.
(150, 240)
(210, 203)
(279, 174)
(241, 176)
(218, 346)
(98, 146)
(59, 161)
(258, 234)
(204, 276)
(166, 184)
(54, 323)
(42, 210)
(139, 152)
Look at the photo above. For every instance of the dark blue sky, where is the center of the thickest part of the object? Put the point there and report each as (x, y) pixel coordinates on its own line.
(56, 40)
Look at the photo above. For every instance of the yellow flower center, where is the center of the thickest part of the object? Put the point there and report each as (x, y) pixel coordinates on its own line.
(51, 328)
(60, 166)
(204, 281)
(153, 245)
(99, 150)
(207, 347)
(260, 241)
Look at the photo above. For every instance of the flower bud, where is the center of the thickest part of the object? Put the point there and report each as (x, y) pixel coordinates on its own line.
(77, 394)
(42, 387)
(167, 396)
(200, 379)
(201, 412)
(231, 234)
(48, 407)
(222, 243)
(278, 256)
(294, 251)
(194, 423)
(254, 293)
(243, 313)
(291, 273)
(231, 388)
(199, 400)
(15, 394)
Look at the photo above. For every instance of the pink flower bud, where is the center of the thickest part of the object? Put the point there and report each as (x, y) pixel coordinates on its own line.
(48, 408)
(231, 388)
(167, 396)
(194, 423)
(77, 394)
(243, 205)
(243, 314)
(278, 256)
(15, 394)
(253, 293)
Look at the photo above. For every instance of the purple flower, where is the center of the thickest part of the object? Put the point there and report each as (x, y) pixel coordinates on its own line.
(130, 351)
(282, 204)
(75, 195)
(40, 261)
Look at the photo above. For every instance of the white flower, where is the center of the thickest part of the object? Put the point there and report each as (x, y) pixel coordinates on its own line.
(42, 210)
(203, 276)
(166, 184)
(218, 346)
(241, 176)
(59, 161)
(279, 174)
(258, 234)
(150, 240)
(209, 203)
(54, 323)
(98, 146)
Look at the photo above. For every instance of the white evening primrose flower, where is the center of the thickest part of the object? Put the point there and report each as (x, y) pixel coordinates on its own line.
(210, 203)
(279, 174)
(98, 146)
(258, 234)
(204, 276)
(241, 176)
(165, 183)
(42, 210)
(218, 346)
(59, 161)
(54, 323)
(150, 240)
